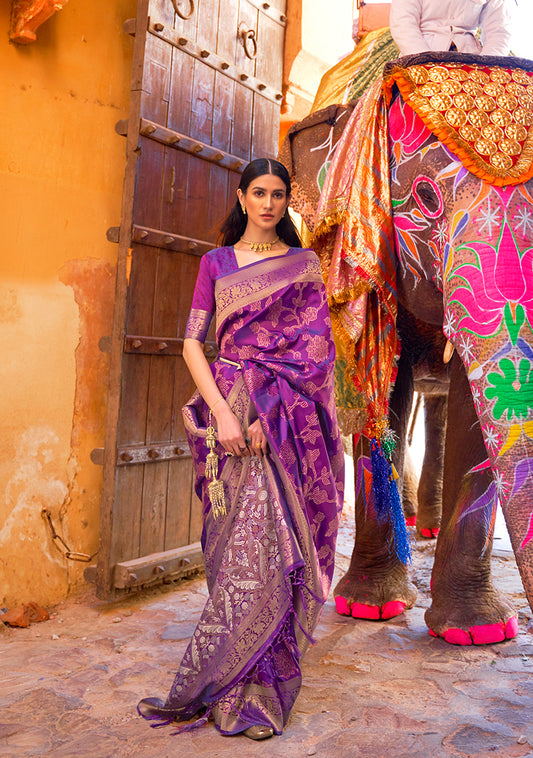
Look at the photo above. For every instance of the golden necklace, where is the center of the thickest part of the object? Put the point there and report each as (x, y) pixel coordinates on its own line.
(260, 247)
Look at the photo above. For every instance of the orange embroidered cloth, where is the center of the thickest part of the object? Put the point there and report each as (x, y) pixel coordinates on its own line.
(354, 240)
(482, 112)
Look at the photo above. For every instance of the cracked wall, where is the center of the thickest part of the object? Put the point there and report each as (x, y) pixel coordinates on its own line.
(61, 173)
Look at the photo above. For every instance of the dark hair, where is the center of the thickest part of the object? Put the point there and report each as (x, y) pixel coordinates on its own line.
(234, 225)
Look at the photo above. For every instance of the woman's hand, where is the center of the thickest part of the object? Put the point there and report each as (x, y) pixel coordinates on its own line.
(230, 431)
(258, 441)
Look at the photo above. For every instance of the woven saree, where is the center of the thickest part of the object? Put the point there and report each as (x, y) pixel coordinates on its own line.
(269, 561)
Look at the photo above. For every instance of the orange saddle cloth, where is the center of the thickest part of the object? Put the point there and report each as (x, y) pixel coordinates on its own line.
(482, 112)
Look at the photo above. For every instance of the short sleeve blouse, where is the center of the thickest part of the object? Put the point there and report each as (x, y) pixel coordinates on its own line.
(213, 265)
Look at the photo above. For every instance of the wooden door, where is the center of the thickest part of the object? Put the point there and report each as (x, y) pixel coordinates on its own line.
(205, 99)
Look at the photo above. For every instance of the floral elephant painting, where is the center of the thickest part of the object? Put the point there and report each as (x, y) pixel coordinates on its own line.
(425, 231)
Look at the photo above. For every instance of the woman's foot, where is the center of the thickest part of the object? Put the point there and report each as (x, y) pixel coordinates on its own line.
(154, 709)
(258, 732)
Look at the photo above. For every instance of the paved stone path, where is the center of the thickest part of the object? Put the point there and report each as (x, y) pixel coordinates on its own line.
(69, 686)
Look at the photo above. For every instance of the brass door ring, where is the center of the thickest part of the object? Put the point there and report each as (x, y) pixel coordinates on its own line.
(181, 13)
(248, 39)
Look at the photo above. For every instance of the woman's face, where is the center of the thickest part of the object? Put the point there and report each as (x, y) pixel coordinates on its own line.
(265, 200)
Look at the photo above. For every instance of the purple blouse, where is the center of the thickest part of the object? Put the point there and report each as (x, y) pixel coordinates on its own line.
(214, 265)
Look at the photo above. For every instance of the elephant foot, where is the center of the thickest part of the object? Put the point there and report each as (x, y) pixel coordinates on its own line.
(462, 625)
(429, 534)
(484, 634)
(376, 598)
(371, 612)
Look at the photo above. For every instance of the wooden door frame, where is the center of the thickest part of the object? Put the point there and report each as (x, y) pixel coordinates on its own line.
(115, 578)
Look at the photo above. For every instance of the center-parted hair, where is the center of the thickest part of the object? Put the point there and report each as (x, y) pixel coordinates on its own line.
(234, 225)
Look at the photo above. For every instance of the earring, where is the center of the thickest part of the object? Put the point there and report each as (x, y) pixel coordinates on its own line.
(243, 207)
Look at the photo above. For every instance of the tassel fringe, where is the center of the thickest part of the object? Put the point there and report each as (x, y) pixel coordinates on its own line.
(217, 497)
(387, 498)
(215, 487)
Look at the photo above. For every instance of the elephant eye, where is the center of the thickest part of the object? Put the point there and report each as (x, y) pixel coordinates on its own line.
(428, 197)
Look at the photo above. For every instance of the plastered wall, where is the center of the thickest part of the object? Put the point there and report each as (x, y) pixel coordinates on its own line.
(61, 171)
(318, 35)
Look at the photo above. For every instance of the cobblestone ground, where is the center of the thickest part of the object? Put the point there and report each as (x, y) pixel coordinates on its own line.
(69, 685)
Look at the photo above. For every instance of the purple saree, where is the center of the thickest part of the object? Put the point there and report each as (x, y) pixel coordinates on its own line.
(269, 561)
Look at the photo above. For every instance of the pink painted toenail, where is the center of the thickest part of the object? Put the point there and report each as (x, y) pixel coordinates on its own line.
(360, 611)
(411, 521)
(511, 628)
(435, 532)
(432, 633)
(429, 533)
(457, 637)
(486, 634)
(342, 606)
(392, 608)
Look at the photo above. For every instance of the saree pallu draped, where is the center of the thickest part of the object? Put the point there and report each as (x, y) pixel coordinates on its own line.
(269, 562)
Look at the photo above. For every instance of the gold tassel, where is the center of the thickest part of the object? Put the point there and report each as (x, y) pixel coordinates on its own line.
(215, 487)
(218, 498)
(211, 465)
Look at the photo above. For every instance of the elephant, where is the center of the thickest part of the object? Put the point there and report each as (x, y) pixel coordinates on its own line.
(451, 284)
(422, 495)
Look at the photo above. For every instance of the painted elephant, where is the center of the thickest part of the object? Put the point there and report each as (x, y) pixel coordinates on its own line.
(427, 244)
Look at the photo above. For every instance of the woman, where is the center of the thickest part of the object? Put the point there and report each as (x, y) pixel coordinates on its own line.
(420, 25)
(271, 483)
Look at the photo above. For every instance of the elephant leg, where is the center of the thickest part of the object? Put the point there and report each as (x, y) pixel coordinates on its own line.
(376, 585)
(409, 490)
(466, 609)
(430, 484)
(401, 403)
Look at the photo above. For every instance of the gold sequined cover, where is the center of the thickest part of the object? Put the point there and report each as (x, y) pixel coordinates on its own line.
(483, 113)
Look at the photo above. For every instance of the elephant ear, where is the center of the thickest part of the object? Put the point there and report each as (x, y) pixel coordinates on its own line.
(306, 150)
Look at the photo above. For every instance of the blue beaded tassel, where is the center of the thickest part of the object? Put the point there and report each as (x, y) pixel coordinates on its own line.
(386, 495)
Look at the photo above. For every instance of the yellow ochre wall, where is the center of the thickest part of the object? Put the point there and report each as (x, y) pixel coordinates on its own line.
(61, 171)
